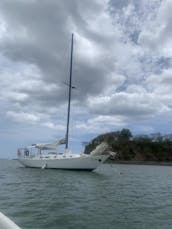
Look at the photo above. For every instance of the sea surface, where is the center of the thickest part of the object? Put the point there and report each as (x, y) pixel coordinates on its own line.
(114, 196)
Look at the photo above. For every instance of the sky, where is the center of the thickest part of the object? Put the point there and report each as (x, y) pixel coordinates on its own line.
(122, 69)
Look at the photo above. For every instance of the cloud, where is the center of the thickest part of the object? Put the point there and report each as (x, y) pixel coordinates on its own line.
(99, 124)
(156, 35)
(131, 105)
(22, 117)
(51, 125)
(160, 84)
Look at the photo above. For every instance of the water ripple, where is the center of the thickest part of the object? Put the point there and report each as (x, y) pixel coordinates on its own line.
(118, 196)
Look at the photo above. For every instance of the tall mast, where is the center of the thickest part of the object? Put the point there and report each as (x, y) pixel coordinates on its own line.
(69, 96)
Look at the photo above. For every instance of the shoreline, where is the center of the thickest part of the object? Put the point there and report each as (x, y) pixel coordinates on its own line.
(163, 163)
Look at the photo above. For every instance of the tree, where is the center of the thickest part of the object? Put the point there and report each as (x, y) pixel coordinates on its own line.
(125, 135)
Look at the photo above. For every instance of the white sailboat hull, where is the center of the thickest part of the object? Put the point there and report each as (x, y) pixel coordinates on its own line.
(75, 163)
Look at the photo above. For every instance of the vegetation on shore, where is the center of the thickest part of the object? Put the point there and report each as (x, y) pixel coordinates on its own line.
(138, 148)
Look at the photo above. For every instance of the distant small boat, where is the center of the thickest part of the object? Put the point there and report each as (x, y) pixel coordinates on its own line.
(6, 223)
(67, 160)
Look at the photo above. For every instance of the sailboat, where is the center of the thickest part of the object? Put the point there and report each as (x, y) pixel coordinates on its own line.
(66, 160)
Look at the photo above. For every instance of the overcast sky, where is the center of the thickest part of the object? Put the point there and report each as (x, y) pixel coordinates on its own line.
(122, 69)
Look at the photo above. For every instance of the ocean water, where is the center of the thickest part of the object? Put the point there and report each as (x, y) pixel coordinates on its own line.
(117, 196)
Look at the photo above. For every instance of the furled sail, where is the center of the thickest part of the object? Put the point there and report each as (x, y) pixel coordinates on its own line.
(49, 146)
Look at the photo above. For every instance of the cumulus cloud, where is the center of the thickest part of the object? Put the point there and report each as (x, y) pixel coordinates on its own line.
(100, 123)
(156, 35)
(161, 85)
(22, 117)
(128, 105)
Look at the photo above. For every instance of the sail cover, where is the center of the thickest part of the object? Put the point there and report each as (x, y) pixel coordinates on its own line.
(49, 146)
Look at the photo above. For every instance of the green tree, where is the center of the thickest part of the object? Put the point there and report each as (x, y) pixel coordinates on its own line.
(125, 135)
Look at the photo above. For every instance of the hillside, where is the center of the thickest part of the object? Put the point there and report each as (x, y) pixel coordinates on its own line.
(129, 148)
